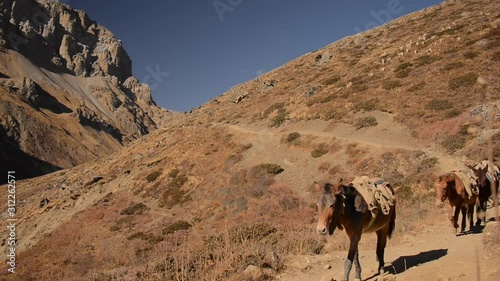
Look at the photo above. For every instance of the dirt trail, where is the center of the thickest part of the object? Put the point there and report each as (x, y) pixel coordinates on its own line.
(387, 134)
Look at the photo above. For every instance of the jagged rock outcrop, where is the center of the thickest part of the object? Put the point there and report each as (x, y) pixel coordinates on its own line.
(68, 75)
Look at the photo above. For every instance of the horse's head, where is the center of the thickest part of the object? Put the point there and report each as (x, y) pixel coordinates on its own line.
(440, 186)
(329, 207)
(481, 174)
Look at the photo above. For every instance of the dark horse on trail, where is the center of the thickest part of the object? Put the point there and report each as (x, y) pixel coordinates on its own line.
(343, 206)
(490, 180)
(451, 187)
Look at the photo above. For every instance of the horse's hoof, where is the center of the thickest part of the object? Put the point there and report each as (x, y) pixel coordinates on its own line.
(381, 271)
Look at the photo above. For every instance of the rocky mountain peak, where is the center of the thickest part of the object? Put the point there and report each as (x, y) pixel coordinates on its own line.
(68, 75)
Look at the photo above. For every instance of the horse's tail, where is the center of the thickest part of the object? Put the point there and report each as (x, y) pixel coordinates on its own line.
(392, 222)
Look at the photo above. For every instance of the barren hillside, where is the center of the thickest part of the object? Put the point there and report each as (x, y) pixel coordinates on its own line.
(225, 192)
(66, 89)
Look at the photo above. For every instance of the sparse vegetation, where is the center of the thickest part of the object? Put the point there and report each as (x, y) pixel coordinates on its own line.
(368, 105)
(403, 70)
(471, 55)
(176, 226)
(153, 176)
(173, 194)
(466, 80)
(427, 59)
(332, 80)
(391, 84)
(453, 65)
(416, 87)
(134, 209)
(453, 112)
(356, 88)
(274, 107)
(267, 168)
(292, 137)
(456, 142)
(318, 153)
(364, 122)
(495, 56)
(439, 104)
(279, 118)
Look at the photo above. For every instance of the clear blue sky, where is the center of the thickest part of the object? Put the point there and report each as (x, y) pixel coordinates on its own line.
(208, 46)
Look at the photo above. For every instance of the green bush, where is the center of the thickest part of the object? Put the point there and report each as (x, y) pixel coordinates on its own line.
(466, 80)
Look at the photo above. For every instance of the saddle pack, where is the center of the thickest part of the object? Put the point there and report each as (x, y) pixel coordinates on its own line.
(376, 192)
(469, 179)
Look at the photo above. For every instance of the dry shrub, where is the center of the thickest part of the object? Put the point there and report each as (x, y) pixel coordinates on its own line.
(173, 194)
(364, 122)
(153, 176)
(414, 212)
(466, 80)
(292, 137)
(134, 209)
(391, 84)
(438, 104)
(176, 226)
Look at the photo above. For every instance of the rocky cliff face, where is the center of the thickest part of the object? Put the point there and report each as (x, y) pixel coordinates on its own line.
(61, 71)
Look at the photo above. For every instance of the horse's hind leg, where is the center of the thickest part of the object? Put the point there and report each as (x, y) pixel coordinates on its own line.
(381, 243)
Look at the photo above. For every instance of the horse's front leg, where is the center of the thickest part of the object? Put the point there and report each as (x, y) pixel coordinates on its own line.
(352, 256)
(453, 217)
(464, 218)
(480, 213)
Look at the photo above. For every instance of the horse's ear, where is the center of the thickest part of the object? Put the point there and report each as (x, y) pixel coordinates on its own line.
(337, 187)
